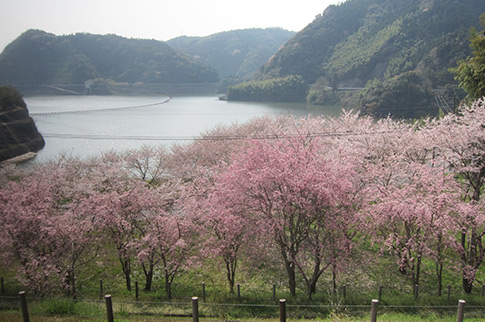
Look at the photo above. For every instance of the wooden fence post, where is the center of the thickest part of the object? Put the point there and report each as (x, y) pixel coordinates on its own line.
(109, 308)
(449, 292)
(483, 289)
(373, 311)
(461, 311)
(379, 298)
(344, 291)
(3, 285)
(274, 292)
(195, 309)
(282, 310)
(23, 306)
(239, 291)
(203, 291)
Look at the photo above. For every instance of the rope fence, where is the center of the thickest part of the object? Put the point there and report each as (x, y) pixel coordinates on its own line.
(109, 307)
(195, 310)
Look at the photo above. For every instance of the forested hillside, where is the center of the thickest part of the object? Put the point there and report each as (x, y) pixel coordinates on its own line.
(37, 57)
(359, 40)
(387, 42)
(237, 53)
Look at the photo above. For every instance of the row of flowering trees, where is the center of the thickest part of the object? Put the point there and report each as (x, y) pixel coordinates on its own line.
(314, 195)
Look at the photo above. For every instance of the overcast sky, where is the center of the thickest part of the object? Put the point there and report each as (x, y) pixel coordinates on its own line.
(153, 19)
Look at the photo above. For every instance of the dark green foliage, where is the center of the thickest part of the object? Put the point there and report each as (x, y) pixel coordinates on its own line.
(403, 96)
(237, 53)
(40, 57)
(471, 71)
(37, 57)
(360, 40)
(10, 98)
(287, 89)
(322, 93)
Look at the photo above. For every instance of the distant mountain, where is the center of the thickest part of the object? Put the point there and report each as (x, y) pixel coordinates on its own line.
(234, 54)
(359, 40)
(37, 57)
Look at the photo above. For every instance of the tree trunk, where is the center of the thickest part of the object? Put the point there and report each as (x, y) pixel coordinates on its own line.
(439, 264)
(70, 283)
(313, 287)
(290, 269)
(439, 275)
(418, 270)
(148, 271)
(126, 267)
(148, 281)
(128, 279)
(467, 285)
(167, 284)
(231, 273)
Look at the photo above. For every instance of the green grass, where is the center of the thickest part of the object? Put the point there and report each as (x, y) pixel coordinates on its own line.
(394, 317)
(69, 310)
(256, 288)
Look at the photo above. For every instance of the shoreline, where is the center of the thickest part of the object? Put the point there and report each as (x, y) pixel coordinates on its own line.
(20, 158)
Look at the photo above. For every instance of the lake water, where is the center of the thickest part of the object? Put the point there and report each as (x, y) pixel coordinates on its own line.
(84, 126)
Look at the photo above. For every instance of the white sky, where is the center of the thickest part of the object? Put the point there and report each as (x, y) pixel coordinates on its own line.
(153, 19)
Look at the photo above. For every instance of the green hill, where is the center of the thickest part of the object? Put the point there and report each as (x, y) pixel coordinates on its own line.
(358, 41)
(237, 53)
(37, 57)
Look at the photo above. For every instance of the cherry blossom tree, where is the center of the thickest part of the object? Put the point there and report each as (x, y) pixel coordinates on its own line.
(162, 203)
(24, 237)
(147, 163)
(225, 231)
(295, 196)
(412, 211)
(47, 233)
(460, 139)
(120, 213)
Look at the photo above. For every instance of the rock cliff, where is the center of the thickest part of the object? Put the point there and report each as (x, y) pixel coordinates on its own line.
(18, 133)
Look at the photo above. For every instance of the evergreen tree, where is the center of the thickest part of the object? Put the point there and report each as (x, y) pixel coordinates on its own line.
(471, 71)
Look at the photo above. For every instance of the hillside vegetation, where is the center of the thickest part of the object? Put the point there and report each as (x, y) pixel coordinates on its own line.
(237, 53)
(286, 89)
(361, 40)
(37, 57)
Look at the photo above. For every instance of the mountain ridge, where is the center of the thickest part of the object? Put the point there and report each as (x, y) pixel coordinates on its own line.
(235, 53)
(44, 58)
(359, 40)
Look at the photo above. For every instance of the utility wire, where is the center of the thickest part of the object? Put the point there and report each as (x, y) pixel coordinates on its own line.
(207, 138)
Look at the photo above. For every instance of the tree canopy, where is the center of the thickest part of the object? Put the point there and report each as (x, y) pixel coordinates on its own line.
(471, 71)
(38, 57)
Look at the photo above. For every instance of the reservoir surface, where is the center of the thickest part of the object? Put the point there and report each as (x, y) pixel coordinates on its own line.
(84, 126)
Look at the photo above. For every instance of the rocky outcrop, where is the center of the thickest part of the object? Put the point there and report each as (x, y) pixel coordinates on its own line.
(18, 133)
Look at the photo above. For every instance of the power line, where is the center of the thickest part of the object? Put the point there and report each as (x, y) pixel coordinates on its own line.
(162, 114)
(207, 138)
